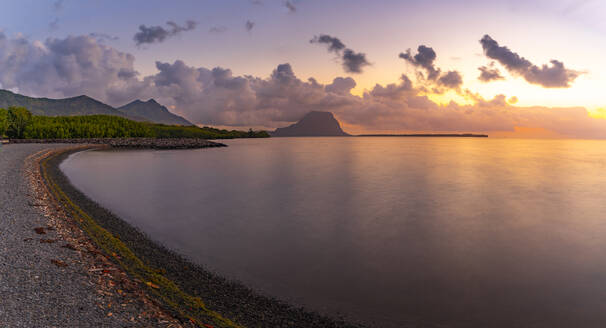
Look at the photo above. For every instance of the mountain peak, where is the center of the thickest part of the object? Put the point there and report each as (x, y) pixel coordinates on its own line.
(85, 98)
(313, 124)
(152, 111)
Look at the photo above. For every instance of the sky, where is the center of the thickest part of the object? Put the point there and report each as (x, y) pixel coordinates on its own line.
(499, 67)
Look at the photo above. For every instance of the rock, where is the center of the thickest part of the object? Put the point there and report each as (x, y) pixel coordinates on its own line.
(132, 143)
(314, 124)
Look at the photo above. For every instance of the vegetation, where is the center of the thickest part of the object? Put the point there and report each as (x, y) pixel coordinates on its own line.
(22, 125)
(172, 131)
(19, 119)
(3, 122)
(94, 126)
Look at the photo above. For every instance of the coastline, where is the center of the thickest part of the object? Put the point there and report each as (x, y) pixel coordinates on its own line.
(175, 282)
(428, 135)
(52, 276)
(129, 143)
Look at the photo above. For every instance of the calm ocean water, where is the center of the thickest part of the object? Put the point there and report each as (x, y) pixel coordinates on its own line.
(402, 232)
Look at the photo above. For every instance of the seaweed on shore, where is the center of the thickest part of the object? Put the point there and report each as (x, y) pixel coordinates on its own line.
(188, 290)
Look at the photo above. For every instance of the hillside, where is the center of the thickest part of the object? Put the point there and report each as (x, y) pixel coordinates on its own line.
(153, 112)
(81, 105)
(314, 124)
(137, 110)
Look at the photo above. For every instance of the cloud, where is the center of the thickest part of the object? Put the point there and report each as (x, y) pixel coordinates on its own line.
(334, 44)
(63, 67)
(490, 73)
(554, 76)
(58, 5)
(101, 37)
(54, 25)
(249, 25)
(392, 91)
(341, 85)
(82, 65)
(352, 62)
(424, 58)
(157, 34)
(290, 6)
(217, 29)
(216, 96)
(451, 80)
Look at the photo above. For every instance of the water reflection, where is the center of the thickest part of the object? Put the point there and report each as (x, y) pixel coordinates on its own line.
(396, 231)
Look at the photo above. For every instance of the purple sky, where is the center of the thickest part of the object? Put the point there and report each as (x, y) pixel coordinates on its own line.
(65, 48)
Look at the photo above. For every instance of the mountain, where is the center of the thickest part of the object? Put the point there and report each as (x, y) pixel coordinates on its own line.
(81, 105)
(314, 124)
(137, 110)
(152, 111)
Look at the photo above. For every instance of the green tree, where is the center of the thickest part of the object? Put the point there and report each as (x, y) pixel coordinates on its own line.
(103, 126)
(19, 119)
(3, 122)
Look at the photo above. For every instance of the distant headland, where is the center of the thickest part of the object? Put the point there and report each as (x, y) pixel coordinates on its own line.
(324, 124)
(314, 124)
(449, 135)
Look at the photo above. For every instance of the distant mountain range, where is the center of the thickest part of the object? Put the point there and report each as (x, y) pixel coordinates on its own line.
(314, 124)
(153, 112)
(137, 110)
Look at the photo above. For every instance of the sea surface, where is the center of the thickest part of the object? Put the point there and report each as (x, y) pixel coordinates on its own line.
(398, 232)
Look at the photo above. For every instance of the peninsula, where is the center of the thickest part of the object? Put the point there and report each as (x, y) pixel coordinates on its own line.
(324, 124)
(447, 135)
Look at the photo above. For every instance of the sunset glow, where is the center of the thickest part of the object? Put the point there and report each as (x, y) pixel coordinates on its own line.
(303, 163)
(556, 46)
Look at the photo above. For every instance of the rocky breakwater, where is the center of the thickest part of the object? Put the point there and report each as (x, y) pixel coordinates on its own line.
(131, 143)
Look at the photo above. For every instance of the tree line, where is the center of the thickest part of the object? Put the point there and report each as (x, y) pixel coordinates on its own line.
(19, 123)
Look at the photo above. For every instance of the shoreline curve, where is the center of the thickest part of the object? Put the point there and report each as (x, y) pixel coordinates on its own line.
(186, 289)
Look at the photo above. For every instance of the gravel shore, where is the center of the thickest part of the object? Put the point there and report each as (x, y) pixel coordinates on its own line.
(43, 281)
(59, 278)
